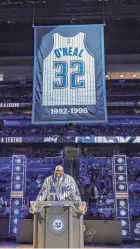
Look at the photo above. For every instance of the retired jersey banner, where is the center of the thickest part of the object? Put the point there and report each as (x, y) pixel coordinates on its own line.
(69, 75)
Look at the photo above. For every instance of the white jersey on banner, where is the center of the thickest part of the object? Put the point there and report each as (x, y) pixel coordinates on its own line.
(69, 73)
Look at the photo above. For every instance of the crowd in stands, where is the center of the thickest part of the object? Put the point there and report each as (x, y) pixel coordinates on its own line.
(115, 111)
(4, 207)
(100, 130)
(34, 181)
(16, 113)
(134, 205)
(38, 170)
(134, 187)
(124, 89)
(28, 99)
(24, 89)
(134, 174)
(94, 181)
(33, 131)
(23, 93)
(125, 110)
(19, 99)
(17, 90)
(122, 98)
(5, 188)
(4, 183)
(119, 94)
(16, 94)
(96, 187)
(40, 153)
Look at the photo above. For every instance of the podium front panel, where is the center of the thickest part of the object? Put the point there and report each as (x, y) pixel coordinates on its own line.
(57, 227)
(78, 230)
(41, 229)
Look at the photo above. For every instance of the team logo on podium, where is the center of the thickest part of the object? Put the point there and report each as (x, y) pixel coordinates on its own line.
(57, 225)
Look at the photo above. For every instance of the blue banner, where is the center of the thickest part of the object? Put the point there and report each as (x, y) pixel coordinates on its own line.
(69, 75)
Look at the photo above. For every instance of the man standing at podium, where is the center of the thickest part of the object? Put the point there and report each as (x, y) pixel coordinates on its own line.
(60, 187)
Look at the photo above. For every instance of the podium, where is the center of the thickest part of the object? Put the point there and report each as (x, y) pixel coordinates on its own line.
(58, 225)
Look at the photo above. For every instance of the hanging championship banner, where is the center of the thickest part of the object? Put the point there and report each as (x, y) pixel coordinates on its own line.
(69, 75)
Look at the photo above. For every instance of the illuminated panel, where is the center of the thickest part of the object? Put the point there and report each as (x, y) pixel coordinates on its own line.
(121, 193)
(17, 190)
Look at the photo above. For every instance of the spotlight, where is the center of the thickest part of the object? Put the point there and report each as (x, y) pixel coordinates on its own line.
(17, 177)
(15, 230)
(17, 202)
(120, 168)
(18, 168)
(15, 221)
(122, 213)
(121, 187)
(16, 211)
(17, 186)
(120, 160)
(123, 222)
(122, 203)
(124, 232)
(121, 178)
(18, 160)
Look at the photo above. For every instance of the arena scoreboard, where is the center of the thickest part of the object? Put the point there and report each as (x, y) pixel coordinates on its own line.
(69, 75)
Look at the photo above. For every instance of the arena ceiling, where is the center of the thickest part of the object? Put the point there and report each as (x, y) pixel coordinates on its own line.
(120, 17)
(70, 10)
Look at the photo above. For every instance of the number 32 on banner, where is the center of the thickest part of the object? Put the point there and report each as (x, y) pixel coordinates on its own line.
(63, 74)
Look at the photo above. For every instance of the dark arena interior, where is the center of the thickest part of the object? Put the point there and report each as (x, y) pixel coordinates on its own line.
(103, 156)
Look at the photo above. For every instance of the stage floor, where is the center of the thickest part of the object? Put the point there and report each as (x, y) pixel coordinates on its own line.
(15, 245)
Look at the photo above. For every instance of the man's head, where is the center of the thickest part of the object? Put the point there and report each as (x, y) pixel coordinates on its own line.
(59, 171)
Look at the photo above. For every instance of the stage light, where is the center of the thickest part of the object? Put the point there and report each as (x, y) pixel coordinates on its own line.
(17, 177)
(124, 232)
(122, 213)
(122, 203)
(15, 221)
(18, 160)
(1, 77)
(101, 210)
(120, 168)
(16, 211)
(18, 168)
(121, 187)
(121, 178)
(16, 202)
(15, 230)
(120, 160)
(123, 222)
(17, 186)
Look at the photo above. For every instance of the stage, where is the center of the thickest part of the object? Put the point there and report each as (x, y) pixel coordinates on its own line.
(16, 245)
